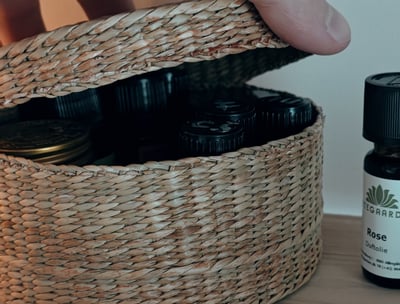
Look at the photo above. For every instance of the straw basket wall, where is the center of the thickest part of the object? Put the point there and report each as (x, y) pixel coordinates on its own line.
(242, 227)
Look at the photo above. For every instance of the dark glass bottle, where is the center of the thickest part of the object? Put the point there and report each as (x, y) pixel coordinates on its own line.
(381, 216)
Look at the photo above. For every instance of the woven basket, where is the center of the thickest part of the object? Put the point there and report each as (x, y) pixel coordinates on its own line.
(242, 227)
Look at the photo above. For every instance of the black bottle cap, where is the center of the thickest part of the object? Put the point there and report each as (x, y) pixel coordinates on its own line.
(81, 106)
(175, 81)
(234, 110)
(140, 94)
(231, 109)
(199, 137)
(382, 108)
(84, 106)
(280, 116)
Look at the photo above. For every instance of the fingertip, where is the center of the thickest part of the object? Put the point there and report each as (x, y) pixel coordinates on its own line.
(312, 26)
(338, 29)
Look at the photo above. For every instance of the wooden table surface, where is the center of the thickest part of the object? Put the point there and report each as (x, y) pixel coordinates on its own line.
(339, 279)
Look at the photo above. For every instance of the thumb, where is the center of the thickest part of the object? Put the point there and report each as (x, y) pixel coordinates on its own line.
(313, 26)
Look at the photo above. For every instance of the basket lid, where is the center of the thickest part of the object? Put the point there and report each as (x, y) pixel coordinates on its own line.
(99, 52)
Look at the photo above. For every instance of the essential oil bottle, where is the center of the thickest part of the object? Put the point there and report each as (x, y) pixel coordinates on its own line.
(199, 137)
(234, 105)
(282, 116)
(380, 256)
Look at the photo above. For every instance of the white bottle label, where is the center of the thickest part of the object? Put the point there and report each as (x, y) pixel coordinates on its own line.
(381, 226)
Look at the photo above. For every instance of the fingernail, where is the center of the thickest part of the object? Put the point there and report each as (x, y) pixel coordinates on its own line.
(337, 26)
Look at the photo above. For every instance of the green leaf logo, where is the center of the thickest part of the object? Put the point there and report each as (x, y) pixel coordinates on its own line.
(379, 197)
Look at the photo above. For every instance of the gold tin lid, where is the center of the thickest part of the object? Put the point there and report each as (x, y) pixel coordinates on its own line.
(47, 141)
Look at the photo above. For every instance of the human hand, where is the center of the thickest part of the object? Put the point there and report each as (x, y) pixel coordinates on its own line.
(313, 26)
(310, 25)
(19, 19)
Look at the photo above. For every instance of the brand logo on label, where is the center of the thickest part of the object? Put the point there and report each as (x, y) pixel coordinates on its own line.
(380, 202)
(379, 197)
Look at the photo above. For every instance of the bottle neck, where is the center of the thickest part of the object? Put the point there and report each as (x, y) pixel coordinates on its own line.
(387, 150)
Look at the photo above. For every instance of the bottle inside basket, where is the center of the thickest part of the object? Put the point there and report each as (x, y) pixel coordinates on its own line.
(282, 115)
(48, 141)
(235, 105)
(81, 106)
(141, 114)
(200, 137)
(265, 114)
(381, 218)
(84, 107)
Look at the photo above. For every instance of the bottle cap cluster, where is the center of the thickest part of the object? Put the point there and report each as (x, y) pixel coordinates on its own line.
(157, 116)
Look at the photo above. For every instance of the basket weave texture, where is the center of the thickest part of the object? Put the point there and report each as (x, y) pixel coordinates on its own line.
(242, 227)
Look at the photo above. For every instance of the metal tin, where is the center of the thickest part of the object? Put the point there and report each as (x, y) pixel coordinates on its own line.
(47, 141)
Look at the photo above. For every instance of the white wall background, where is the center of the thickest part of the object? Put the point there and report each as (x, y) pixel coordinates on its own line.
(337, 83)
